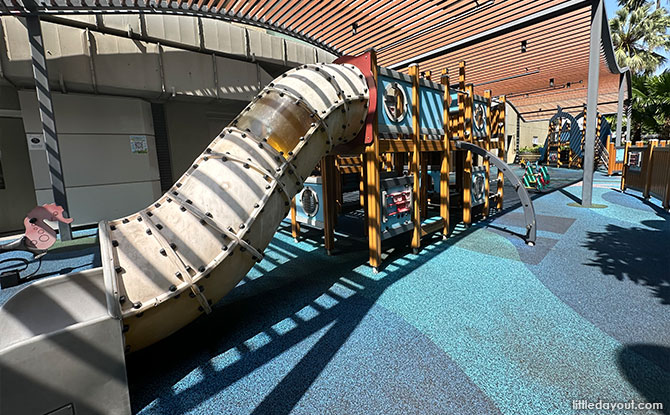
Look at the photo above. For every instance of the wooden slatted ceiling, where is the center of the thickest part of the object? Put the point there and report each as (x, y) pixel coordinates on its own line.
(571, 104)
(401, 30)
(497, 14)
(556, 49)
(398, 29)
(547, 44)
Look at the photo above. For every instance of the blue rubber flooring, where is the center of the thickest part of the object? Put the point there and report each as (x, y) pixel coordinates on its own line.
(479, 323)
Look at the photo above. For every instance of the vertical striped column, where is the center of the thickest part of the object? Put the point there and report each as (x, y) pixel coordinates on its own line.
(48, 119)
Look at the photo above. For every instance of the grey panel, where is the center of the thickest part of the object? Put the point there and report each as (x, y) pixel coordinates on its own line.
(60, 347)
(162, 146)
(394, 74)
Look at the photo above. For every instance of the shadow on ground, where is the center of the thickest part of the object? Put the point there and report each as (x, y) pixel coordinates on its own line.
(649, 380)
(636, 253)
(253, 309)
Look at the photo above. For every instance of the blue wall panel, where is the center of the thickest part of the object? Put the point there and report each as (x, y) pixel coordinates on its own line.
(430, 114)
(479, 118)
(431, 105)
(453, 105)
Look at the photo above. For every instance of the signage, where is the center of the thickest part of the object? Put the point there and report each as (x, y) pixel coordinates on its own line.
(620, 155)
(138, 144)
(478, 186)
(634, 160)
(36, 142)
(552, 157)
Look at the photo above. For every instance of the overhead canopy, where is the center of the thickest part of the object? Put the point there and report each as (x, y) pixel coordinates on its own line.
(488, 34)
(538, 66)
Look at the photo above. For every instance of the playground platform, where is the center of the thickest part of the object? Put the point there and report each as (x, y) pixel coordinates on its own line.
(477, 324)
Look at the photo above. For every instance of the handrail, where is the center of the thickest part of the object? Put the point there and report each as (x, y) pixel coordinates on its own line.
(526, 202)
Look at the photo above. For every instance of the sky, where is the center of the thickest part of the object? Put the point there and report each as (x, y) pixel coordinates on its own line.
(611, 6)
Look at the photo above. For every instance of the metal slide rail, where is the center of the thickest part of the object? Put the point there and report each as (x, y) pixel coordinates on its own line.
(526, 203)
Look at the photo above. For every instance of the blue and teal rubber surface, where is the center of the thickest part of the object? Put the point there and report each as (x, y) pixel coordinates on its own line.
(477, 324)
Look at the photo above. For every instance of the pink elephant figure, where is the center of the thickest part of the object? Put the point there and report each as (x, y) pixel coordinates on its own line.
(39, 235)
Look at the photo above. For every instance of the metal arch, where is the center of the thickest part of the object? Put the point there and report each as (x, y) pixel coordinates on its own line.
(526, 203)
(608, 50)
(32, 8)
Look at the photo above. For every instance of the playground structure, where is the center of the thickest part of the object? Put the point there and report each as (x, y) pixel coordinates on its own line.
(164, 266)
(646, 168)
(536, 176)
(37, 240)
(564, 145)
(439, 147)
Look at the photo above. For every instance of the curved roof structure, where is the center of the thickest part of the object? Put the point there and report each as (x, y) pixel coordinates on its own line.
(536, 52)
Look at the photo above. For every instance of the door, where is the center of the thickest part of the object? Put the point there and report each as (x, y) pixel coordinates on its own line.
(17, 191)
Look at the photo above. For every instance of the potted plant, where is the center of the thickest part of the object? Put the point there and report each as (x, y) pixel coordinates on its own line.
(531, 154)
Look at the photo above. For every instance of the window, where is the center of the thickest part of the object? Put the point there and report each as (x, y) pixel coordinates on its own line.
(395, 102)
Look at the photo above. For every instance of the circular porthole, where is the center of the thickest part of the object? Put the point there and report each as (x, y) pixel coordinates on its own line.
(478, 188)
(395, 102)
(309, 201)
(480, 119)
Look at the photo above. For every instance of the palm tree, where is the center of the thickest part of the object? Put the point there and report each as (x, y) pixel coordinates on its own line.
(651, 105)
(659, 91)
(642, 118)
(638, 35)
(634, 4)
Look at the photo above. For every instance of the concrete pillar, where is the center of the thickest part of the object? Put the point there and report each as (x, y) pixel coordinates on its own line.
(592, 100)
(619, 113)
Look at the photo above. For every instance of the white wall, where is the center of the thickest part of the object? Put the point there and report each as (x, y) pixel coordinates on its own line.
(533, 133)
(510, 130)
(114, 64)
(187, 139)
(103, 178)
(529, 131)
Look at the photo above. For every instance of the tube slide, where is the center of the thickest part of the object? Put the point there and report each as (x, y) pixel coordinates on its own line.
(168, 263)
